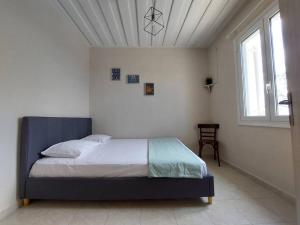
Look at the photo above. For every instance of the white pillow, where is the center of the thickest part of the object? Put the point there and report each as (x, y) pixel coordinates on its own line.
(69, 149)
(100, 138)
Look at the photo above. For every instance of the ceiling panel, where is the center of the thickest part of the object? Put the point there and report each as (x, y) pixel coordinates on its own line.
(111, 12)
(120, 23)
(166, 7)
(178, 14)
(129, 21)
(97, 19)
(222, 19)
(194, 17)
(212, 13)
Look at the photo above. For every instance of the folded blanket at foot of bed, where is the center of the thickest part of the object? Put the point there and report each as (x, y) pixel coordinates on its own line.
(169, 157)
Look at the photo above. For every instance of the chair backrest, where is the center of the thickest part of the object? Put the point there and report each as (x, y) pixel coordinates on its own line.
(208, 132)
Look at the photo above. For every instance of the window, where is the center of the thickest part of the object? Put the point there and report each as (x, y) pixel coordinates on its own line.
(253, 74)
(262, 73)
(279, 65)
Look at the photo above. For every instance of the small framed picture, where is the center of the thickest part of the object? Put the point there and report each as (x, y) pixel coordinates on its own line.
(115, 74)
(133, 79)
(149, 88)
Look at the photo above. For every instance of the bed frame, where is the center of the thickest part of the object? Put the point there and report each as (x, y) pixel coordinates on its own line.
(38, 133)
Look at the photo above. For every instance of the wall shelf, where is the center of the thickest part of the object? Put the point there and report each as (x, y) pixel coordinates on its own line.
(209, 87)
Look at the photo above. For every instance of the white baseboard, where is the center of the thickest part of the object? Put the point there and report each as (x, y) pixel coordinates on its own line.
(9, 210)
(291, 198)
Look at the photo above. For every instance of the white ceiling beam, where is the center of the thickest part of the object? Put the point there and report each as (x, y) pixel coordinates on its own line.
(120, 23)
(98, 21)
(178, 14)
(111, 14)
(212, 29)
(192, 21)
(129, 20)
(208, 20)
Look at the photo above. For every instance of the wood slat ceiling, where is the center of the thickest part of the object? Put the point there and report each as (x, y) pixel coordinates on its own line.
(120, 23)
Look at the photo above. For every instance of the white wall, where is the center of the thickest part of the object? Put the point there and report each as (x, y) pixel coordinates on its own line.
(179, 103)
(263, 152)
(44, 70)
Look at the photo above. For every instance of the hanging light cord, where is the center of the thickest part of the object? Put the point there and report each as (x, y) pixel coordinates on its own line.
(153, 14)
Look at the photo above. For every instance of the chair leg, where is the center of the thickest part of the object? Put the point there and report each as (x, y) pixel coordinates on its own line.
(200, 149)
(218, 155)
(215, 153)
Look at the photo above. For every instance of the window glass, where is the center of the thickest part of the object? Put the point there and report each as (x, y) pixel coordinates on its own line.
(279, 65)
(253, 76)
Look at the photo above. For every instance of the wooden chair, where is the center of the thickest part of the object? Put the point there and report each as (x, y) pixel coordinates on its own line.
(208, 136)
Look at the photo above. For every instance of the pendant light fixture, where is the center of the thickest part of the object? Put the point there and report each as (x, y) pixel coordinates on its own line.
(153, 20)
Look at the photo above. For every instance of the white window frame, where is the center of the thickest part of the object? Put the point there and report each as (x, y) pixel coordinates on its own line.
(261, 23)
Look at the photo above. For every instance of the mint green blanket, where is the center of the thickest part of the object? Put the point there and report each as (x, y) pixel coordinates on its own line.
(168, 157)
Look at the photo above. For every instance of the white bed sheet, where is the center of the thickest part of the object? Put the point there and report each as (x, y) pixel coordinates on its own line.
(115, 158)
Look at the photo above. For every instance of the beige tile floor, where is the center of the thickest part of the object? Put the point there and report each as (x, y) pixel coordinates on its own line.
(239, 201)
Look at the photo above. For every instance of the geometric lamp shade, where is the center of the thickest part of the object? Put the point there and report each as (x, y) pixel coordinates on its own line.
(153, 21)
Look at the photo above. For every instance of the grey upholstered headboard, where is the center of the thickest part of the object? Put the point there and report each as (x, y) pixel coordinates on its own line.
(39, 133)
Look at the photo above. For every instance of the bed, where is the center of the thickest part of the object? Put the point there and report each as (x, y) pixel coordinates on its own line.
(69, 179)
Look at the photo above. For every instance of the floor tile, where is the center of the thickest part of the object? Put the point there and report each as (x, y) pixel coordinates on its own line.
(157, 216)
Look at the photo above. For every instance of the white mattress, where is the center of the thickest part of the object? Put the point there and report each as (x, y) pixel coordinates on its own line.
(115, 158)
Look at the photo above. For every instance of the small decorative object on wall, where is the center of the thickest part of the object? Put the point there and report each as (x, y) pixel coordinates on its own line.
(133, 79)
(209, 83)
(115, 74)
(149, 88)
